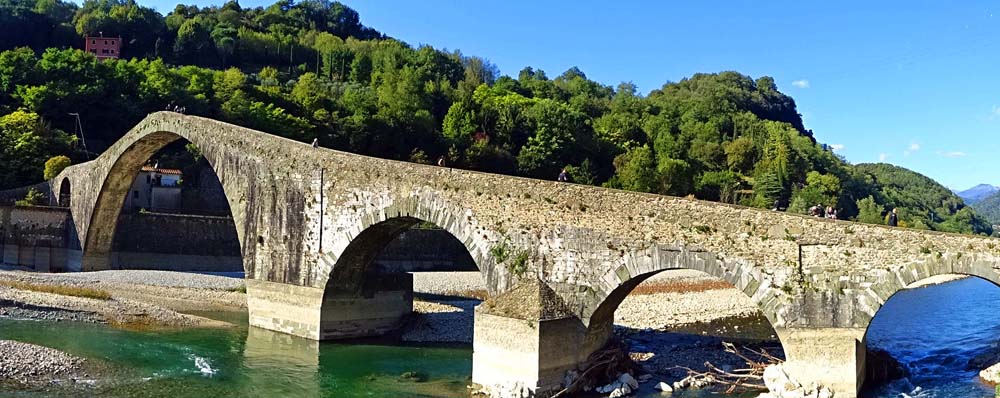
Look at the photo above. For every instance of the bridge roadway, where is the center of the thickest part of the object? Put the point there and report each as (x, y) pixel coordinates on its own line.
(310, 221)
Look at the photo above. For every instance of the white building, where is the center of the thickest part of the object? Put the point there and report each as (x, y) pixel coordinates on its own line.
(155, 189)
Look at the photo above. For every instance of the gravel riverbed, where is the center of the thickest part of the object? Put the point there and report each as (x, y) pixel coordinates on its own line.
(30, 364)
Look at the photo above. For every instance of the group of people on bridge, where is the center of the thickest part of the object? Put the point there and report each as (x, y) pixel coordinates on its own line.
(175, 108)
(823, 212)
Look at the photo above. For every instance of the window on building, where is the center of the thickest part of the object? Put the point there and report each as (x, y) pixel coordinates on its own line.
(93, 50)
(104, 51)
(105, 42)
(93, 42)
(135, 194)
(148, 179)
(112, 42)
(112, 51)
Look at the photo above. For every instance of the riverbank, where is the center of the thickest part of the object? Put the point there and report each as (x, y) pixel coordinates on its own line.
(125, 298)
(31, 365)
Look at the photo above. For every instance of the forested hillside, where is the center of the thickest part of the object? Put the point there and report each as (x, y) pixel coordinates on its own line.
(989, 208)
(922, 202)
(310, 69)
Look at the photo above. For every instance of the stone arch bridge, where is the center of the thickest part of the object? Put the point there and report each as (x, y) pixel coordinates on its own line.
(310, 221)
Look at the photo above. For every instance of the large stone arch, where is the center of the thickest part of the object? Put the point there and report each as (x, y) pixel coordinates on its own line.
(110, 177)
(371, 229)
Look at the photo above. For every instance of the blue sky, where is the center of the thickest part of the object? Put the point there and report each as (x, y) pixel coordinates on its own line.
(910, 83)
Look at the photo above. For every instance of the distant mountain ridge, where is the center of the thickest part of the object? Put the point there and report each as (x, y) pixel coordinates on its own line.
(989, 208)
(977, 193)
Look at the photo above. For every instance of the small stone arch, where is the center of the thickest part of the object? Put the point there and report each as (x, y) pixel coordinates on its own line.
(65, 193)
(356, 248)
(636, 268)
(894, 281)
(375, 227)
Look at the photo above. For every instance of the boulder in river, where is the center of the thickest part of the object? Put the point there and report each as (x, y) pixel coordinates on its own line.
(991, 375)
(880, 367)
(985, 359)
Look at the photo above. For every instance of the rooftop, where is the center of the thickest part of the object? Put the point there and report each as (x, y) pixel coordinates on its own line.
(154, 169)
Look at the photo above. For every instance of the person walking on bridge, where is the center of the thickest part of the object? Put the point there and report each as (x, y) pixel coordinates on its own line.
(893, 218)
(563, 176)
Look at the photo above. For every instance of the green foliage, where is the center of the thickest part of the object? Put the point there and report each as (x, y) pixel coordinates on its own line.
(32, 198)
(820, 189)
(989, 208)
(500, 251)
(310, 70)
(636, 170)
(25, 144)
(869, 211)
(519, 264)
(922, 202)
(55, 165)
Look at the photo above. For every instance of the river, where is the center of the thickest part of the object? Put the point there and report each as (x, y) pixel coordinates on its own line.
(933, 330)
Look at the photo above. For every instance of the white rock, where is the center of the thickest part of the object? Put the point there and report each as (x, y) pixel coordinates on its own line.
(620, 392)
(664, 387)
(991, 375)
(609, 387)
(777, 381)
(628, 380)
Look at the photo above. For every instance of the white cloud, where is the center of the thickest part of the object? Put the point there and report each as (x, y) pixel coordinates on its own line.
(912, 148)
(952, 154)
(882, 157)
(836, 147)
(803, 83)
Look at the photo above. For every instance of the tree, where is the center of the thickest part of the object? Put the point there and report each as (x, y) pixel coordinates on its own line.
(32, 198)
(55, 165)
(635, 170)
(820, 189)
(870, 212)
(25, 140)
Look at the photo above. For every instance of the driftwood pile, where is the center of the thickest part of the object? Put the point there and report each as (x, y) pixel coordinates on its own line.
(746, 379)
(613, 360)
(605, 364)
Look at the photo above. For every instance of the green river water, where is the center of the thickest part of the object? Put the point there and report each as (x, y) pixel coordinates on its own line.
(243, 362)
(238, 362)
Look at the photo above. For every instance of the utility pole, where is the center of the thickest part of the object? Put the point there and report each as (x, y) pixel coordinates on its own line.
(78, 131)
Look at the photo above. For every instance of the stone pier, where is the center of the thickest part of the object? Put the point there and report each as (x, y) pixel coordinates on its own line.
(315, 314)
(828, 357)
(526, 340)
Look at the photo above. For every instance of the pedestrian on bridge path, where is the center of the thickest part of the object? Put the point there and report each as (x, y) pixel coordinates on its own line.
(893, 218)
